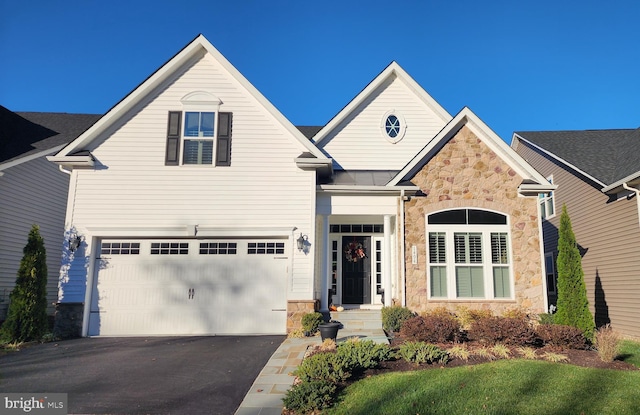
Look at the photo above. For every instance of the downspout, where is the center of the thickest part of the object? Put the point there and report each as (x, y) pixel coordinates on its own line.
(62, 169)
(637, 192)
(403, 263)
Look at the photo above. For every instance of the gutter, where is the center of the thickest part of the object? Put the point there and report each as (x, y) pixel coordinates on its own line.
(637, 192)
(371, 190)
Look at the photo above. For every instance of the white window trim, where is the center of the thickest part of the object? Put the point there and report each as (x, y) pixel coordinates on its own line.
(403, 126)
(199, 101)
(487, 265)
(548, 200)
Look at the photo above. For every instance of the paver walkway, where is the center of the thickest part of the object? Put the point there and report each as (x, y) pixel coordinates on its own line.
(273, 382)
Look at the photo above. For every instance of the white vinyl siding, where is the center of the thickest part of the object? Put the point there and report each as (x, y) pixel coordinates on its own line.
(131, 188)
(34, 192)
(360, 144)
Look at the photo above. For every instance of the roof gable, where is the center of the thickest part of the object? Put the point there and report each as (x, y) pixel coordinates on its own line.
(193, 51)
(359, 127)
(533, 182)
(605, 156)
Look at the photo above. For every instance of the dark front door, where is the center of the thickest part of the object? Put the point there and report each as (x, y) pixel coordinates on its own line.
(356, 270)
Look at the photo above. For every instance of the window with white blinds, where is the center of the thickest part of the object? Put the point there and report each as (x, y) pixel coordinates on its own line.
(468, 255)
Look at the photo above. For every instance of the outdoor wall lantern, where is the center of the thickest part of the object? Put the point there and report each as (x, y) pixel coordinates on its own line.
(302, 241)
(74, 242)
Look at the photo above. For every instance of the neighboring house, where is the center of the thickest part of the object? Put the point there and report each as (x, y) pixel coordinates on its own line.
(200, 209)
(32, 190)
(598, 178)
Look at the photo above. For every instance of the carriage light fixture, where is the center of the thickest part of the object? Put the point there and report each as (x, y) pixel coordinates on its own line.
(302, 241)
(74, 242)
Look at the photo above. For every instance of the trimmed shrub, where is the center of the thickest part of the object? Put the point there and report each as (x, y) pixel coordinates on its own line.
(421, 352)
(323, 366)
(573, 304)
(359, 355)
(434, 328)
(509, 331)
(394, 316)
(27, 314)
(561, 336)
(516, 313)
(310, 396)
(311, 321)
(466, 316)
(545, 318)
(607, 341)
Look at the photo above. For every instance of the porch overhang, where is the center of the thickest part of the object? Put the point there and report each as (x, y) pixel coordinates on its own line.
(368, 190)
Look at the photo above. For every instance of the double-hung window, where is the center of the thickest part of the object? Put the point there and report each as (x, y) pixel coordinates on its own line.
(468, 255)
(200, 134)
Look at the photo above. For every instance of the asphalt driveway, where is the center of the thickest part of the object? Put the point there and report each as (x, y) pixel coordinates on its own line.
(153, 375)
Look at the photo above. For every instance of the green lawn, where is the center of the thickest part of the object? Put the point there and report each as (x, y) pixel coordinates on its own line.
(630, 352)
(501, 387)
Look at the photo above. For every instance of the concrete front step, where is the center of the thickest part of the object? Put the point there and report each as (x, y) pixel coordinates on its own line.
(358, 319)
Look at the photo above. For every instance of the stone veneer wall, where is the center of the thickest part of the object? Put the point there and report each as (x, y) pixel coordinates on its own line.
(295, 311)
(466, 173)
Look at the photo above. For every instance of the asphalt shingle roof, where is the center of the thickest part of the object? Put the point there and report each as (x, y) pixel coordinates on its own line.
(308, 131)
(25, 133)
(607, 155)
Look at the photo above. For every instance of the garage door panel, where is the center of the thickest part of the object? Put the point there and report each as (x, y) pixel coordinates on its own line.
(147, 294)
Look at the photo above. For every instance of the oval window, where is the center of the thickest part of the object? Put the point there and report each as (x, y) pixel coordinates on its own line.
(393, 127)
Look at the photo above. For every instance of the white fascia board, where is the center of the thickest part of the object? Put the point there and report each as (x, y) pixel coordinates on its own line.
(308, 163)
(72, 161)
(483, 132)
(531, 189)
(391, 69)
(370, 190)
(500, 147)
(30, 157)
(553, 156)
(193, 51)
(275, 113)
(618, 186)
(134, 97)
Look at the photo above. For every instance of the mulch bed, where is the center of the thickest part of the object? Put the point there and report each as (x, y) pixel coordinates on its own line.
(584, 358)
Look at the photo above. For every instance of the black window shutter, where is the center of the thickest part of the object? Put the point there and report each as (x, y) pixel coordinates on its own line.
(223, 147)
(173, 139)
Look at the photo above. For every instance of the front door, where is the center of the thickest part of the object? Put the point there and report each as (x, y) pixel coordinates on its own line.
(356, 270)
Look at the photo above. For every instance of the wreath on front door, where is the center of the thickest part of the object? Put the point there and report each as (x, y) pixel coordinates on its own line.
(354, 252)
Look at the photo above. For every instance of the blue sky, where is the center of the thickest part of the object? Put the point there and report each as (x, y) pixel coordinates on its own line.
(519, 65)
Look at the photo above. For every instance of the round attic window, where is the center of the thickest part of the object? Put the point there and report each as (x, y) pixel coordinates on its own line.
(393, 127)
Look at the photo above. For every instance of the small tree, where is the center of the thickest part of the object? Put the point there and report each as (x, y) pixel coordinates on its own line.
(573, 306)
(27, 314)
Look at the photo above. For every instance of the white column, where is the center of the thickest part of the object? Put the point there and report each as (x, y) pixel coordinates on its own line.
(324, 268)
(386, 260)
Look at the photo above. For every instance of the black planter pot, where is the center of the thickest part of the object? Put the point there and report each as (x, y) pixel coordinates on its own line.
(329, 331)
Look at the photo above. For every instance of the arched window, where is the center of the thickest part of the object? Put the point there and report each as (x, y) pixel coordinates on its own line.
(469, 255)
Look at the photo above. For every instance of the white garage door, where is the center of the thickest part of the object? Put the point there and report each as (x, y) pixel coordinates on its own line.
(190, 287)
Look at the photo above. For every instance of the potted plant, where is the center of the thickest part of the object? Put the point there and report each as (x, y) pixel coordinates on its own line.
(329, 330)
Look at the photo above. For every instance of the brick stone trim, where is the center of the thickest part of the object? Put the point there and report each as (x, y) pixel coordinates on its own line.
(296, 309)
